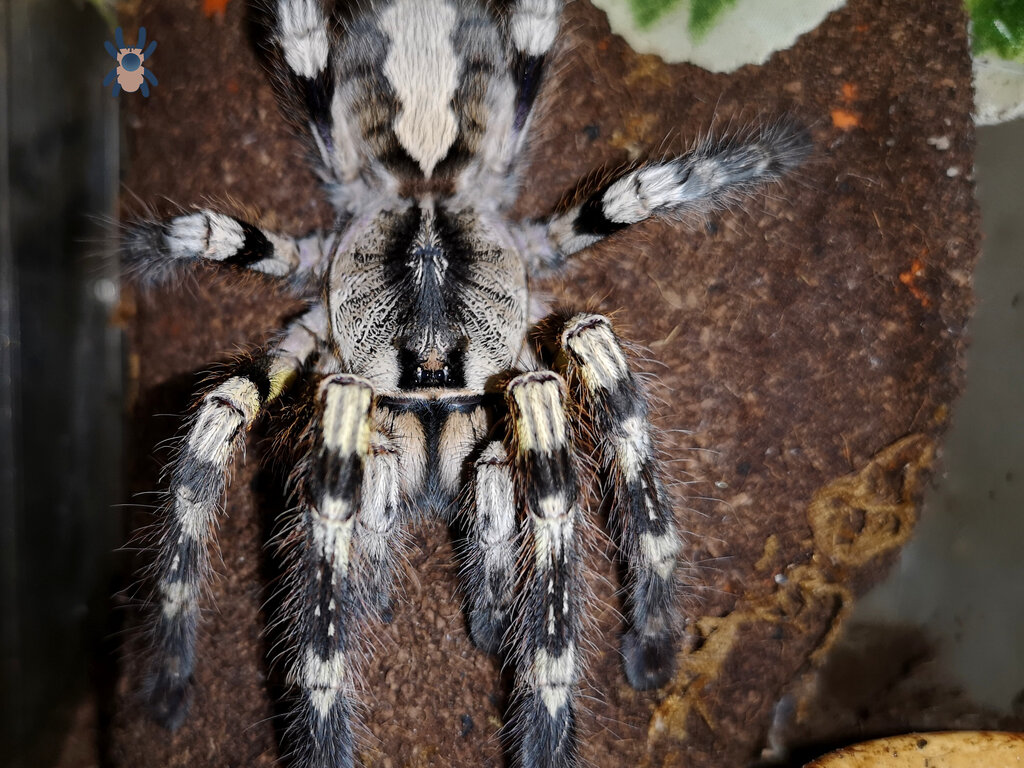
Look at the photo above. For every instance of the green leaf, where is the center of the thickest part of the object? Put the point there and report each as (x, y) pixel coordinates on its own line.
(703, 14)
(646, 12)
(998, 28)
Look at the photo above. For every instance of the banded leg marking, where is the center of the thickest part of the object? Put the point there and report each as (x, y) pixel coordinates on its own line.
(335, 85)
(712, 175)
(532, 28)
(640, 514)
(198, 481)
(378, 522)
(306, 63)
(301, 32)
(492, 556)
(548, 621)
(155, 251)
(327, 584)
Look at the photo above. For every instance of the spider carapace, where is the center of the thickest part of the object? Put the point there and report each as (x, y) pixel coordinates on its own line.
(426, 386)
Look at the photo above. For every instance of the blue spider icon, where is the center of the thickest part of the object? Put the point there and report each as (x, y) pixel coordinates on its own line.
(129, 73)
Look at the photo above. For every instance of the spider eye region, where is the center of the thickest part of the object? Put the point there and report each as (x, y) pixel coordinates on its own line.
(130, 62)
(436, 370)
(437, 377)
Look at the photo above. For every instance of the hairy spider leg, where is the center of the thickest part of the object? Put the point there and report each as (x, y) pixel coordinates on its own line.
(198, 478)
(548, 615)
(714, 174)
(506, 64)
(532, 28)
(640, 515)
(329, 580)
(380, 515)
(155, 251)
(492, 548)
(302, 43)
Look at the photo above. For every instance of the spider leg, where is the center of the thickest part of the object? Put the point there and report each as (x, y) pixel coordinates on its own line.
(640, 514)
(148, 74)
(714, 174)
(155, 250)
(335, 89)
(111, 76)
(378, 521)
(144, 87)
(302, 41)
(110, 49)
(198, 481)
(532, 26)
(490, 571)
(547, 621)
(344, 543)
(508, 61)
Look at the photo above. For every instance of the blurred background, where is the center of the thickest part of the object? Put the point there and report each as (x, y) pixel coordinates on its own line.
(61, 411)
(961, 578)
(954, 600)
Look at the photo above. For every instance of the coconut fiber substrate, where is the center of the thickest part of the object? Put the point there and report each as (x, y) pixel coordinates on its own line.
(803, 352)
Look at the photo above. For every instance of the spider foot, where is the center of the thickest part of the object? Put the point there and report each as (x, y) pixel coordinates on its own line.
(487, 631)
(650, 660)
(167, 696)
(385, 606)
(548, 734)
(328, 741)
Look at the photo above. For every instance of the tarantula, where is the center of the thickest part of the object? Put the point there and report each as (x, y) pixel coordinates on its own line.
(428, 391)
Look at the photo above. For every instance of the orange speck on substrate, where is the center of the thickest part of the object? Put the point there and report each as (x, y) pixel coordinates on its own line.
(213, 8)
(602, 44)
(909, 277)
(849, 91)
(232, 85)
(844, 120)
